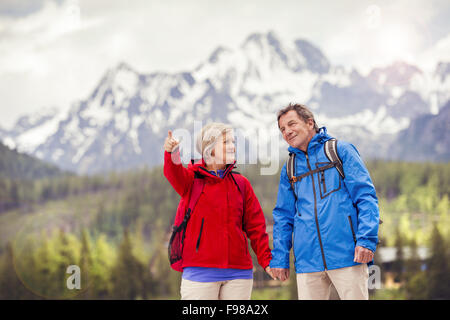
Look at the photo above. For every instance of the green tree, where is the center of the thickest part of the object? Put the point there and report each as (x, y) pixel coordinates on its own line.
(399, 262)
(86, 263)
(127, 274)
(104, 256)
(438, 269)
(413, 263)
(11, 288)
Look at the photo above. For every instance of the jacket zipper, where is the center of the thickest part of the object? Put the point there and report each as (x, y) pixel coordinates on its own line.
(323, 182)
(315, 213)
(351, 227)
(199, 235)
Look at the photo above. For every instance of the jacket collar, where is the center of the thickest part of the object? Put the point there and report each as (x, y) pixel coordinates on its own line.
(200, 167)
(317, 141)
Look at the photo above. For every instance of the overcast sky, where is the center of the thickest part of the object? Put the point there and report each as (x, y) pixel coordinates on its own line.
(53, 52)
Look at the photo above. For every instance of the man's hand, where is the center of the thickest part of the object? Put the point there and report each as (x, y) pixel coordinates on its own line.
(170, 143)
(280, 274)
(363, 255)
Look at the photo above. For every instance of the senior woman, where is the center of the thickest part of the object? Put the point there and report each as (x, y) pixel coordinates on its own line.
(215, 259)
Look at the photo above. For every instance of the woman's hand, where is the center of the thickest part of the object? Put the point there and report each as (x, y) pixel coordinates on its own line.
(170, 143)
(269, 272)
(280, 274)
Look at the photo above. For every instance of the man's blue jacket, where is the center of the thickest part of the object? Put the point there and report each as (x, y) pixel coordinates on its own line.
(331, 216)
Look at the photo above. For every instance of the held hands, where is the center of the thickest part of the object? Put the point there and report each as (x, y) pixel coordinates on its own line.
(280, 274)
(170, 143)
(362, 255)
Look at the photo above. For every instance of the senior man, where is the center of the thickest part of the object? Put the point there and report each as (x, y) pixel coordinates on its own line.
(327, 203)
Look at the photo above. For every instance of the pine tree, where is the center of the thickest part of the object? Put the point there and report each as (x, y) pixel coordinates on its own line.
(86, 265)
(399, 263)
(127, 273)
(438, 268)
(11, 287)
(413, 263)
(44, 268)
(415, 280)
(104, 256)
(66, 255)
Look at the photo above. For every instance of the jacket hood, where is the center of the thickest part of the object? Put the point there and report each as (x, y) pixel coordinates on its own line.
(317, 141)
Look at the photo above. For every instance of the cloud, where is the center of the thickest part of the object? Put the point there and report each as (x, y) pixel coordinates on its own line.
(44, 59)
(437, 53)
(56, 54)
(20, 8)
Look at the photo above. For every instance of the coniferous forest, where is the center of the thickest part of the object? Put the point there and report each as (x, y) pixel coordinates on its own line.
(115, 227)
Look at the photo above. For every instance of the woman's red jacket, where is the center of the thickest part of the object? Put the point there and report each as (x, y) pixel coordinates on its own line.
(217, 232)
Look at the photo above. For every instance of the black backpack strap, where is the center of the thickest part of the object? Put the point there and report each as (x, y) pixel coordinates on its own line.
(196, 191)
(330, 149)
(290, 170)
(300, 177)
(242, 189)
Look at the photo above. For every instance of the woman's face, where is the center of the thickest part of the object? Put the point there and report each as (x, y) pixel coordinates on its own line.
(224, 151)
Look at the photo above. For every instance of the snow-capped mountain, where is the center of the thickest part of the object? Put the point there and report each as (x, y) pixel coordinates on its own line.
(123, 123)
(427, 134)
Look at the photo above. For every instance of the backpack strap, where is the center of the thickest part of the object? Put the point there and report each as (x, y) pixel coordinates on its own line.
(196, 191)
(176, 242)
(290, 170)
(240, 184)
(300, 177)
(330, 149)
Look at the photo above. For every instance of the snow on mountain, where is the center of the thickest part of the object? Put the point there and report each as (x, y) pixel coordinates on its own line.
(32, 130)
(428, 135)
(406, 86)
(123, 122)
(440, 92)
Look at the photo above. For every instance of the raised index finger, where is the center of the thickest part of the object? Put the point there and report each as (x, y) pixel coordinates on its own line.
(169, 133)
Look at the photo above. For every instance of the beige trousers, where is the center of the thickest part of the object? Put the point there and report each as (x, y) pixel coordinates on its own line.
(350, 283)
(238, 289)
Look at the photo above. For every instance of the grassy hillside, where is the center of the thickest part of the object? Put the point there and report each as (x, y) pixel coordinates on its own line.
(16, 165)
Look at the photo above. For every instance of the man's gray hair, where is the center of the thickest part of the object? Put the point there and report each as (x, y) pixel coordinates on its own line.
(302, 111)
(207, 139)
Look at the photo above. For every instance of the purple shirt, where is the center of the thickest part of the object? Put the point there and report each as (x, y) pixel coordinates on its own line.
(202, 274)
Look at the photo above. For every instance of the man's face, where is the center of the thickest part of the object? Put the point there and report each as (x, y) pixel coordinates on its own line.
(296, 132)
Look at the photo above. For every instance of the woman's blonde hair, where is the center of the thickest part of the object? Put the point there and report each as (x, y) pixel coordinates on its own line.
(207, 139)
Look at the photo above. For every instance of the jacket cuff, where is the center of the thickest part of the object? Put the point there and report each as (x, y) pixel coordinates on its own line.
(280, 263)
(366, 244)
(265, 263)
(173, 156)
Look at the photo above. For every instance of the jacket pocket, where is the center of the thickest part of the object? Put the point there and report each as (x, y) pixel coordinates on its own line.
(329, 180)
(199, 235)
(245, 243)
(351, 228)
